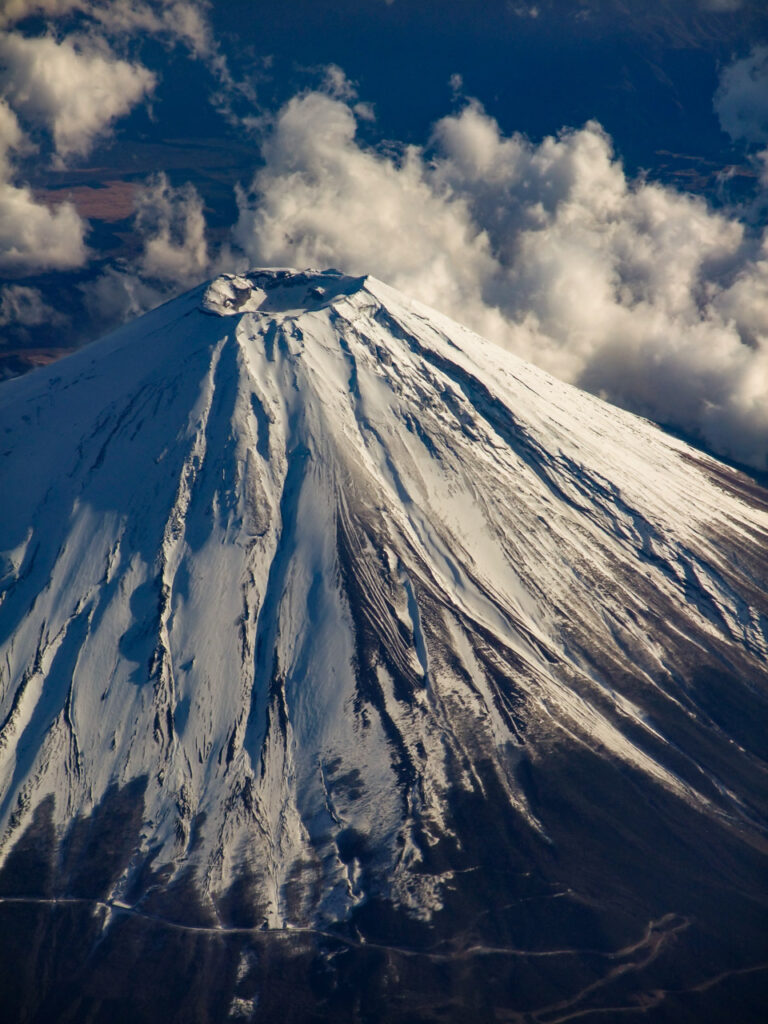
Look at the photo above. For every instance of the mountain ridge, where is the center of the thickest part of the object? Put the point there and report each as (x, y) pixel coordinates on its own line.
(336, 603)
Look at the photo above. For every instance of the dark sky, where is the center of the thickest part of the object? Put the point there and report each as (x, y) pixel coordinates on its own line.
(646, 70)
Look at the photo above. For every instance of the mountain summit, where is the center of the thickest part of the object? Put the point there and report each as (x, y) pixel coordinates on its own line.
(352, 669)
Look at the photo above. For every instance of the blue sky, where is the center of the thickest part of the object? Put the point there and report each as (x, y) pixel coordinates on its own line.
(583, 182)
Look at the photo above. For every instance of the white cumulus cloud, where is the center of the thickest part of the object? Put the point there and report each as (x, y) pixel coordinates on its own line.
(635, 291)
(33, 237)
(174, 22)
(77, 86)
(172, 224)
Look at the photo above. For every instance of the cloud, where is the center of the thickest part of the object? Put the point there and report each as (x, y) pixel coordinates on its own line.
(637, 292)
(176, 21)
(322, 200)
(34, 237)
(22, 306)
(172, 21)
(761, 161)
(741, 100)
(170, 222)
(77, 86)
(337, 85)
(17, 10)
(12, 139)
(118, 295)
(722, 6)
(184, 20)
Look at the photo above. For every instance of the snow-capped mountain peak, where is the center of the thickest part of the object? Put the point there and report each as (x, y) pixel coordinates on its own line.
(331, 586)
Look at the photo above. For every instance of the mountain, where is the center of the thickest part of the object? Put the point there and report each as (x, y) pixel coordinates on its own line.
(352, 669)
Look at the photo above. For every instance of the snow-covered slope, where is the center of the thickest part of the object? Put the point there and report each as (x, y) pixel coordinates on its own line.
(315, 570)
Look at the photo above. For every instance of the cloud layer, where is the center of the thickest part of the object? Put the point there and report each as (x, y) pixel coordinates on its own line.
(637, 292)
